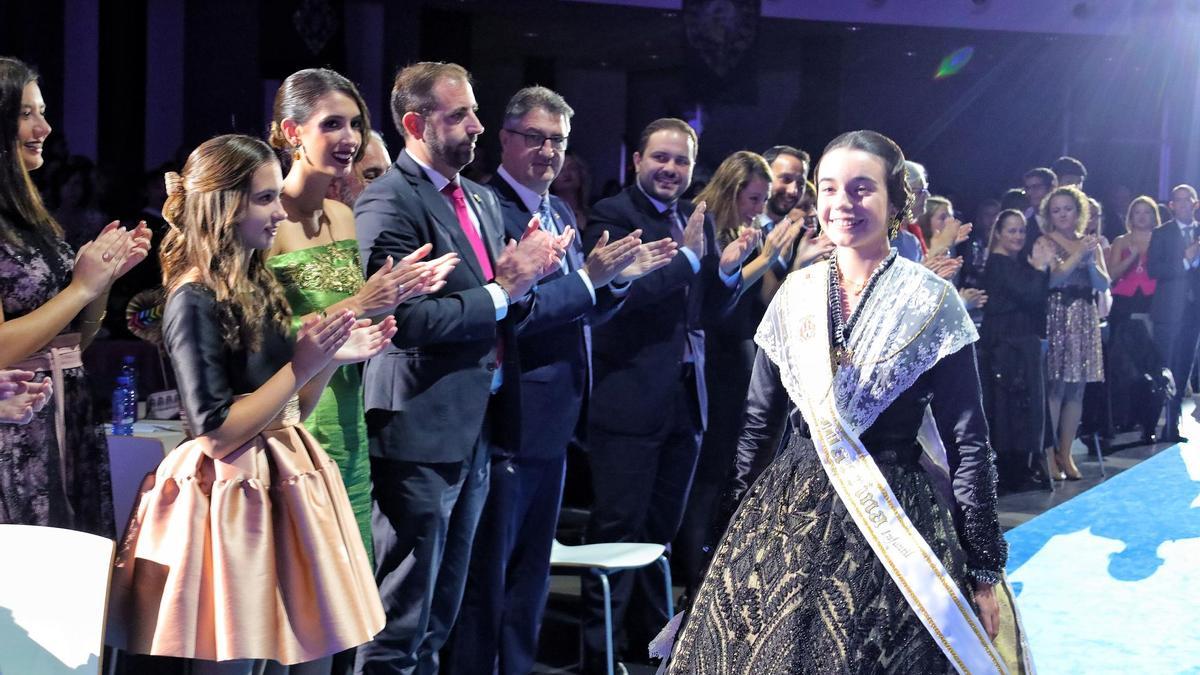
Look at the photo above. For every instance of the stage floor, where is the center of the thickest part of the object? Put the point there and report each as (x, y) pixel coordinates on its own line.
(1109, 580)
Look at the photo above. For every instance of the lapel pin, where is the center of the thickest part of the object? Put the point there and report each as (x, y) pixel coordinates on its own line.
(476, 197)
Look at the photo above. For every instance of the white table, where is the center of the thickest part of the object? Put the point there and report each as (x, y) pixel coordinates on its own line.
(130, 458)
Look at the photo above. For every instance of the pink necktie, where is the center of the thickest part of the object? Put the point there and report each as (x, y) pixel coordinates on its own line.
(455, 192)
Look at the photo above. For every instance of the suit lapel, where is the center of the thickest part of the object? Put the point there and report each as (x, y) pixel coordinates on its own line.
(491, 225)
(443, 216)
(566, 219)
(655, 225)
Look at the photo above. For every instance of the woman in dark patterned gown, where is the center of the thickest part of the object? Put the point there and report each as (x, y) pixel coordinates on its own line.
(54, 469)
(843, 557)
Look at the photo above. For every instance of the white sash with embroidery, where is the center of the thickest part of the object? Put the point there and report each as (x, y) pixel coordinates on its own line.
(910, 321)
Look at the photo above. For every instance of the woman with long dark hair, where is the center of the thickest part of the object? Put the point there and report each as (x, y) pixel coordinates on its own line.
(52, 300)
(1011, 353)
(320, 124)
(841, 558)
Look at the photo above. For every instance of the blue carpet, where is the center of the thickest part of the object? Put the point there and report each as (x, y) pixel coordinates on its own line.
(1109, 582)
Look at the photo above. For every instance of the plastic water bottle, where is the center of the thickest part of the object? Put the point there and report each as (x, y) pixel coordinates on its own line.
(129, 369)
(124, 407)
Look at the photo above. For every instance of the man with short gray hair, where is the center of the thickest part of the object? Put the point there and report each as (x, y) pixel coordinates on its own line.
(508, 580)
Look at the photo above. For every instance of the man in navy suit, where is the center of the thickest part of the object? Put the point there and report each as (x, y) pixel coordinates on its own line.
(1038, 183)
(1174, 261)
(446, 396)
(509, 577)
(648, 406)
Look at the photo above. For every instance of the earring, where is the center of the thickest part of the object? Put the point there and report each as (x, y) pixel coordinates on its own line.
(296, 153)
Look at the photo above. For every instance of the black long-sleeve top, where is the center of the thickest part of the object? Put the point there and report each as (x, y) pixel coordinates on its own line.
(1016, 293)
(951, 387)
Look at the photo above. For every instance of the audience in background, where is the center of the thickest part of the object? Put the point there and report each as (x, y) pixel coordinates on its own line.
(468, 411)
(574, 186)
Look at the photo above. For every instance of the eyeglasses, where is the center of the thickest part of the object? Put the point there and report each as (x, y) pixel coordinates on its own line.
(537, 140)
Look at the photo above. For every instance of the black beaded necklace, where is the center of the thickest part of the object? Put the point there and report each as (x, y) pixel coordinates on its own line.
(842, 355)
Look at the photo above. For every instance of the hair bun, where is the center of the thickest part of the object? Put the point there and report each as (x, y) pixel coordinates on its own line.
(174, 183)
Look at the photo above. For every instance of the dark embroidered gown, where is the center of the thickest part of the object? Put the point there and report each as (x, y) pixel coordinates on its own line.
(795, 588)
(32, 479)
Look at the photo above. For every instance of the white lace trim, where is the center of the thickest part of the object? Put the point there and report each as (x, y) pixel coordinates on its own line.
(912, 320)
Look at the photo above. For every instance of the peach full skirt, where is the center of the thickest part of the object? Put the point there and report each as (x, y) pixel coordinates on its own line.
(253, 556)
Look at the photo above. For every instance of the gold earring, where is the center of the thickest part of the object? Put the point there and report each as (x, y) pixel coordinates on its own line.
(296, 153)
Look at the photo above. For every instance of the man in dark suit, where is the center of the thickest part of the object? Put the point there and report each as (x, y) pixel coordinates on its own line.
(1174, 262)
(1038, 183)
(446, 396)
(509, 577)
(648, 406)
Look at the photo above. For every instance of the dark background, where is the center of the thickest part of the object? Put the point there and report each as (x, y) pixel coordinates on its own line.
(165, 74)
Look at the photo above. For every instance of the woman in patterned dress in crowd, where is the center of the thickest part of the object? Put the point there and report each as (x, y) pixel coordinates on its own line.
(51, 472)
(1075, 356)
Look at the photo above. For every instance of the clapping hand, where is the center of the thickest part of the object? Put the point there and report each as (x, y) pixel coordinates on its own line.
(952, 234)
(439, 268)
(21, 407)
(1042, 256)
(943, 265)
(393, 282)
(973, 298)
(522, 263)
(812, 246)
(606, 260)
(781, 238)
(1192, 251)
(320, 337)
(651, 256)
(366, 340)
(13, 382)
(693, 233)
(139, 247)
(98, 262)
(738, 250)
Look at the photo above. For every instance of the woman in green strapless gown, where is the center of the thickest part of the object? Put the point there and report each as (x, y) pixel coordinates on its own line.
(319, 125)
(313, 279)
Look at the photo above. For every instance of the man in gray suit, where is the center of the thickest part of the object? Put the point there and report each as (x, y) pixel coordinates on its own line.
(444, 400)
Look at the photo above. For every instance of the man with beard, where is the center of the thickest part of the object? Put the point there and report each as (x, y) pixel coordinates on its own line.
(446, 396)
(789, 171)
(648, 406)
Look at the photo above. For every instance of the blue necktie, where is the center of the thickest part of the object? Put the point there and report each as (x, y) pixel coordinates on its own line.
(550, 224)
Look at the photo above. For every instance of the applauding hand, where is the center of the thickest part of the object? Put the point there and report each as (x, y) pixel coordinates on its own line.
(693, 234)
(366, 340)
(606, 260)
(20, 408)
(738, 250)
(319, 339)
(13, 382)
(649, 257)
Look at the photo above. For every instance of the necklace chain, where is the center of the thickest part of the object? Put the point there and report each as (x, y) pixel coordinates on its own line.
(841, 330)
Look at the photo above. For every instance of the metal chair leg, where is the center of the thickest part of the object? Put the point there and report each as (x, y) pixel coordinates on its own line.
(666, 568)
(1099, 455)
(608, 628)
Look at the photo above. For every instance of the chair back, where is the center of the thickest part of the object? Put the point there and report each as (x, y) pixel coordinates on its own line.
(53, 600)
